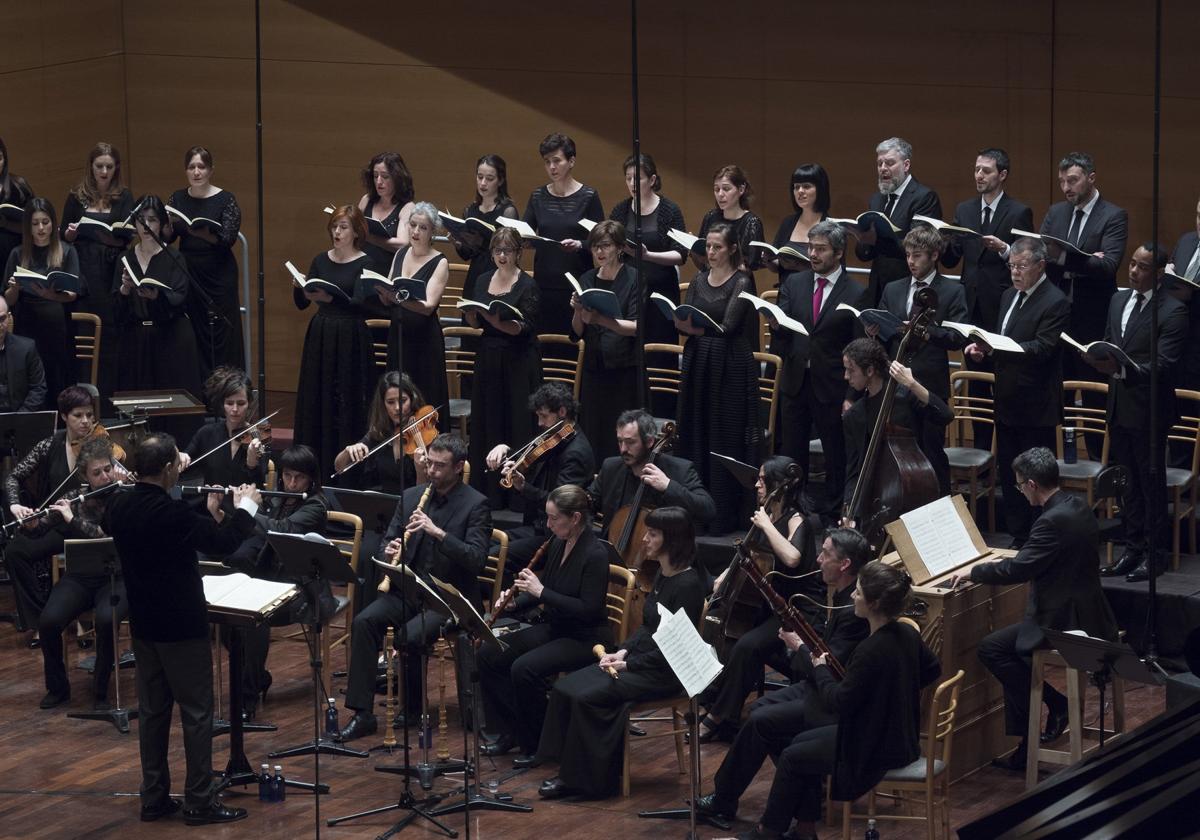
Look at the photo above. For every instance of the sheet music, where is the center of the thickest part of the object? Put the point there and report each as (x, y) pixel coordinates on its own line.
(694, 662)
(243, 593)
(939, 536)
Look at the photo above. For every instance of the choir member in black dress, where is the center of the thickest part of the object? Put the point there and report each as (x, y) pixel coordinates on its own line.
(388, 200)
(507, 367)
(732, 192)
(74, 593)
(554, 211)
(810, 201)
(586, 722)
(337, 364)
(389, 470)
(156, 342)
(612, 380)
(570, 595)
(491, 202)
(99, 197)
(228, 393)
(415, 343)
(213, 303)
(786, 540)
(16, 191)
(661, 257)
(718, 394)
(41, 313)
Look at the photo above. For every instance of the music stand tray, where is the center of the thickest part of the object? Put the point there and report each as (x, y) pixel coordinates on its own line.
(159, 403)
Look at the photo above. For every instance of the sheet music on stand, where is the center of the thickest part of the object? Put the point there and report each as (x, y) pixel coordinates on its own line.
(695, 663)
(411, 583)
(241, 596)
(465, 614)
(939, 535)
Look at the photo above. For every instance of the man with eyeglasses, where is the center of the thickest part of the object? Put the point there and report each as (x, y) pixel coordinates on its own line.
(22, 377)
(1028, 388)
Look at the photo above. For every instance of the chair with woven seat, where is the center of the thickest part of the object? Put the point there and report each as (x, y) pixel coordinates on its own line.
(971, 468)
(1084, 421)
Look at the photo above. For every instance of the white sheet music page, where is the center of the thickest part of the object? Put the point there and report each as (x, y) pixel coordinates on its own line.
(939, 535)
(242, 592)
(694, 662)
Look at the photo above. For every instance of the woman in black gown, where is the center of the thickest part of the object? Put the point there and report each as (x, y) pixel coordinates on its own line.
(336, 365)
(612, 379)
(388, 200)
(229, 393)
(41, 314)
(15, 192)
(661, 257)
(586, 719)
(554, 211)
(210, 261)
(507, 367)
(718, 393)
(156, 343)
(732, 193)
(810, 201)
(396, 398)
(491, 202)
(416, 329)
(99, 197)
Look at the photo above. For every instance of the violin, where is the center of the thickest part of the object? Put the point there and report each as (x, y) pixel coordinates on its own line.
(629, 522)
(421, 430)
(527, 456)
(261, 432)
(97, 431)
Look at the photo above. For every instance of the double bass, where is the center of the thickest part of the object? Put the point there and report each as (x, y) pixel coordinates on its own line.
(896, 477)
(629, 522)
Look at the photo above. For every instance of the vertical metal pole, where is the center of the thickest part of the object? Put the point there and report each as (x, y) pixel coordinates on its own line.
(641, 289)
(1158, 481)
(258, 140)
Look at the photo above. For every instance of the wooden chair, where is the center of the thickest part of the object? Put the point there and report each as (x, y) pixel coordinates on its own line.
(969, 464)
(493, 569)
(664, 381)
(87, 343)
(338, 635)
(622, 588)
(1082, 420)
(770, 369)
(1181, 483)
(764, 326)
(378, 328)
(928, 777)
(460, 365)
(560, 367)
(448, 311)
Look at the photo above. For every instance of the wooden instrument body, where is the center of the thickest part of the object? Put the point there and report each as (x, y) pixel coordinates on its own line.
(733, 609)
(628, 524)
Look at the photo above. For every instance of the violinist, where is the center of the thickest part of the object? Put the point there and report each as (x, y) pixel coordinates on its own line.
(76, 593)
(785, 542)
(865, 363)
(568, 462)
(243, 459)
(40, 478)
(668, 480)
(569, 598)
(396, 402)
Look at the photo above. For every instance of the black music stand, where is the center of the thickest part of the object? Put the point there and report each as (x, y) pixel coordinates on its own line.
(376, 510)
(20, 430)
(744, 474)
(94, 558)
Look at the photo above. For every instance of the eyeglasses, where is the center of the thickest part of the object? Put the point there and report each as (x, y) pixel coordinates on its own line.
(1016, 266)
(506, 252)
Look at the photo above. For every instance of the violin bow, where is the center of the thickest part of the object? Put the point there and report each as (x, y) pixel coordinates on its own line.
(400, 433)
(241, 432)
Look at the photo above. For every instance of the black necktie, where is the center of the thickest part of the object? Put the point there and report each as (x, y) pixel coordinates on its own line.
(1076, 228)
(889, 205)
(987, 218)
(1012, 313)
(1138, 300)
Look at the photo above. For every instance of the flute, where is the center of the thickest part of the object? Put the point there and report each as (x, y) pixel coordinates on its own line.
(42, 511)
(600, 653)
(385, 585)
(197, 489)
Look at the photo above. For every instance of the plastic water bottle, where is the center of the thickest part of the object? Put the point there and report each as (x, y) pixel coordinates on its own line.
(277, 783)
(331, 719)
(264, 784)
(872, 832)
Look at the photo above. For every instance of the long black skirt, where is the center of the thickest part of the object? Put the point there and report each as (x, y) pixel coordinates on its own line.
(336, 378)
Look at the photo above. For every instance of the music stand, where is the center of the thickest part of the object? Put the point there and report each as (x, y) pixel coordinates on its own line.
(376, 510)
(97, 558)
(744, 474)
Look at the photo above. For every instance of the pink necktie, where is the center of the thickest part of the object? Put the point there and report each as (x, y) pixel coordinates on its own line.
(818, 296)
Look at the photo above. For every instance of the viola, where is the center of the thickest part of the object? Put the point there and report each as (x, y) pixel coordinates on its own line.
(98, 431)
(421, 430)
(529, 454)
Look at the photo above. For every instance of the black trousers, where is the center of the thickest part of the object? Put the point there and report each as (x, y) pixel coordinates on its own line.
(22, 556)
(757, 647)
(415, 629)
(170, 673)
(1014, 670)
(515, 681)
(73, 595)
(797, 416)
(1131, 448)
(799, 770)
(1011, 441)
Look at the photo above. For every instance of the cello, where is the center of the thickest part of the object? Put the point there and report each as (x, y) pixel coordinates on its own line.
(629, 522)
(896, 477)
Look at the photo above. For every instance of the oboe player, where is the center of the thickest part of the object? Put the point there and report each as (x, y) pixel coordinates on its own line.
(447, 538)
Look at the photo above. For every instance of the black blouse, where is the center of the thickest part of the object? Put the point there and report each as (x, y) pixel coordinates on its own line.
(655, 225)
(523, 295)
(221, 207)
(44, 468)
(735, 315)
(685, 589)
(41, 264)
(346, 276)
(170, 303)
(747, 229)
(605, 349)
(557, 217)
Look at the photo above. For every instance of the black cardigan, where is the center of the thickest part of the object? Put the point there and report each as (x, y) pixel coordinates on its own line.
(574, 594)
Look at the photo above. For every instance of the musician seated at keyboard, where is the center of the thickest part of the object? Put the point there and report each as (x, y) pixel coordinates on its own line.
(779, 716)
(446, 537)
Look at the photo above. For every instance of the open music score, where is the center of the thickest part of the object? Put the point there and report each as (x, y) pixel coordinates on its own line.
(694, 662)
(242, 596)
(939, 539)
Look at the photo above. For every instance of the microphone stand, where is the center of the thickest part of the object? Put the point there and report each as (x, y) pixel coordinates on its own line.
(641, 287)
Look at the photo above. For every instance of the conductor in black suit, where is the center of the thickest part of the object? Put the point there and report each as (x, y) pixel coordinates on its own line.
(931, 362)
(1028, 389)
(1060, 563)
(157, 539)
(812, 389)
(900, 197)
(1185, 261)
(1131, 437)
(448, 538)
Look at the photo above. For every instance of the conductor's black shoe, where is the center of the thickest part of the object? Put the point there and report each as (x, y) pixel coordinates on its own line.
(214, 813)
(1142, 572)
(1056, 725)
(553, 789)
(1126, 564)
(708, 806)
(524, 762)
(1013, 762)
(54, 698)
(361, 725)
(502, 745)
(157, 812)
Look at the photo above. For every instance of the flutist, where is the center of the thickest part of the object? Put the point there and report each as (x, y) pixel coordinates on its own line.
(447, 537)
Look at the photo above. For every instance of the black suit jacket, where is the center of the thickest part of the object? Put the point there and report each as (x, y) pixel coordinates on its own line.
(1094, 278)
(157, 538)
(26, 376)
(615, 486)
(1129, 396)
(1060, 560)
(887, 255)
(818, 356)
(572, 462)
(842, 634)
(931, 364)
(1028, 389)
(1188, 375)
(575, 593)
(985, 273)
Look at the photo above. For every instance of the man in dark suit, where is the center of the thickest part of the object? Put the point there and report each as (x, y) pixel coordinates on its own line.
(1060, 563)
(23, 387)
(1185, 262)
(812, 390)
(931, 363)
(668, 481)
(1028, 389)
(446, 538)
(157, 539)
(900, 197)
(1131, 436)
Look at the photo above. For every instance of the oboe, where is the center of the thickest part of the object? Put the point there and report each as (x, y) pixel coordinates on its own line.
(385, 585)
(500, 606)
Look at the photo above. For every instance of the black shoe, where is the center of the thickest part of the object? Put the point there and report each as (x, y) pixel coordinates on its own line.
(708, 806)
(723, 731)
(35, 643)
(502, 745)
(266, 685)
(214, 813)
(1056, 725)
(1129, 561)
(53, 699)
(554, 789)
(361, 725)
(1142, 572)
(1013, 762)
(157, 812)
(526, 761)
